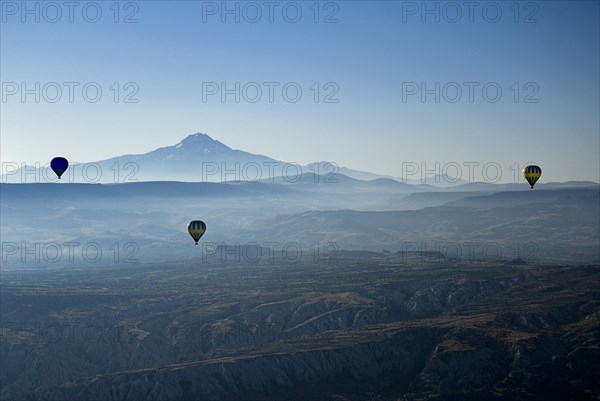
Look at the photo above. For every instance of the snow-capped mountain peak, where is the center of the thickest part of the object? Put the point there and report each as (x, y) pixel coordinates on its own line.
(201, 143)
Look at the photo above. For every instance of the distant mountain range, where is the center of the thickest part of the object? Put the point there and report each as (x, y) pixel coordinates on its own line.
(200, 158)
(561, 224)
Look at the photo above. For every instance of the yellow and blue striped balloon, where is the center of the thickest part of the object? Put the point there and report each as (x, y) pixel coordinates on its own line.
(532, 173)
(196, 228)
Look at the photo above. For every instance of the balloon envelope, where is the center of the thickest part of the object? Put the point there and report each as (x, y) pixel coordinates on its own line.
(59, 165)
(196, 228)
(532, 173)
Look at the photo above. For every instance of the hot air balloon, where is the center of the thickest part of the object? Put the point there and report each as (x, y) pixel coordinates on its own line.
(59, 165)
(532, 173)
(196, 228)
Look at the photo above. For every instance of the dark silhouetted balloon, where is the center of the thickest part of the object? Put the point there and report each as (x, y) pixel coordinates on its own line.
(532, 173)
(59, 165)
(196, 228)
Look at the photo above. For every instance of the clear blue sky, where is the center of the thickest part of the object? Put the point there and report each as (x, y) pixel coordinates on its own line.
(372, 54)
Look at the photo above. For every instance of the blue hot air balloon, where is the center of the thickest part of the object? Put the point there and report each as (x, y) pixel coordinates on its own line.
(59, 165)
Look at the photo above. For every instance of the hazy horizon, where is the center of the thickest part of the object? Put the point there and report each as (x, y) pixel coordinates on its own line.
(445, 174)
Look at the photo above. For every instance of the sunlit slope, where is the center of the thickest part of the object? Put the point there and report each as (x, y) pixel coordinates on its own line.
(399, 325)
